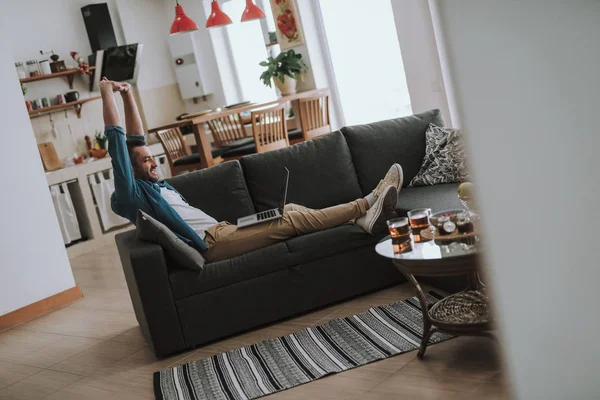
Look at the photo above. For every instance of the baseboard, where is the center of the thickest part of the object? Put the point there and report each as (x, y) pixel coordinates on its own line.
(40, 308)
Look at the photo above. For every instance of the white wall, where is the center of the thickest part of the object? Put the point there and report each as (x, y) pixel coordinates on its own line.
(144, 21)
(34, 262)
(217, 62)
(420, 57)
(147, 22)
(526, 80)
(315, 54)
(34, 26)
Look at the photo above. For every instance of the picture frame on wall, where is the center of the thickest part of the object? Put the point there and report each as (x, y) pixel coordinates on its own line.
(288, 27)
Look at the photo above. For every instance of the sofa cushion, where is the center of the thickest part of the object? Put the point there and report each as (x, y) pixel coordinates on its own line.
(321, 174)
(307, 248)
(185, 283)
(438, 198)
(151, 230)
(219, 191)
(375, 147)
(444, 160)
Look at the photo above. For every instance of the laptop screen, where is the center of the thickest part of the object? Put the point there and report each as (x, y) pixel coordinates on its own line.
(284, 188)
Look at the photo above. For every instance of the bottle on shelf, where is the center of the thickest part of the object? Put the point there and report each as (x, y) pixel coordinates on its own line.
(33, 68)
(20, 70)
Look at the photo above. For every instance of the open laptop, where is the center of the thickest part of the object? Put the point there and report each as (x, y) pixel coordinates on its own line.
(268, 215)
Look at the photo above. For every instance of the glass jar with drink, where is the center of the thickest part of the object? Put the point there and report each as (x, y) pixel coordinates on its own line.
(464, 223)
(400, 233)
(419, 220)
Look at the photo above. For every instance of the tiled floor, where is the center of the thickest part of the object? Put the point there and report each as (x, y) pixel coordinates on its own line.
(93, 349)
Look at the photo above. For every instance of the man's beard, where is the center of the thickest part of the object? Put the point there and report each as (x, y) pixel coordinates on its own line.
(152, 177)
(145, 175)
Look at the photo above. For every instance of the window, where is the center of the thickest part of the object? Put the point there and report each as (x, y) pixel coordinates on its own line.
(247, 50)
(366, 59)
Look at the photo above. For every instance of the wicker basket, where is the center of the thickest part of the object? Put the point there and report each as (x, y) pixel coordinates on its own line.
(470, 307)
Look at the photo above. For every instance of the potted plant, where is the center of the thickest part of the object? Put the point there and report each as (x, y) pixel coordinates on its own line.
(99, 149)
(284, 70)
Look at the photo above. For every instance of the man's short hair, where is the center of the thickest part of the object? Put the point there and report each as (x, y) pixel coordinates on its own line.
(131, 145)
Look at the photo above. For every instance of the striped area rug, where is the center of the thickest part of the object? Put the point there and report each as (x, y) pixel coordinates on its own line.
(282, 363)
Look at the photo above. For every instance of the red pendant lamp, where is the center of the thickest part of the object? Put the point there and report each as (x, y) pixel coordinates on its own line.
(217, 17)
(252, 11)
(182, 22)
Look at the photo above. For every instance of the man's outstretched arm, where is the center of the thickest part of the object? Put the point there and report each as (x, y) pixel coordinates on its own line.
(133, 121)
(109, 105)
(125, 186)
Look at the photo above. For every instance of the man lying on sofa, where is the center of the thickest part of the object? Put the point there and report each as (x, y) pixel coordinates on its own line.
(137, 187)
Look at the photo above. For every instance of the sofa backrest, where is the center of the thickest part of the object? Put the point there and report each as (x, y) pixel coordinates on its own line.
(220, 191)
(375, 147)
(321, 174)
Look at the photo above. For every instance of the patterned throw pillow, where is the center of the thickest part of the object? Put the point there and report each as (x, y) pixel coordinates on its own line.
(444, 160)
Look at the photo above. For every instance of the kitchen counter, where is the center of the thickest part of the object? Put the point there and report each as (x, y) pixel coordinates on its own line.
(81, 193)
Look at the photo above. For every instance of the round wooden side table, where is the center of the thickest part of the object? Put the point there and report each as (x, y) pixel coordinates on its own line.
(463, 313)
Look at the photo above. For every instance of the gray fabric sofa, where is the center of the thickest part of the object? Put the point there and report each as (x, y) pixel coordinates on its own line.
(179, 309)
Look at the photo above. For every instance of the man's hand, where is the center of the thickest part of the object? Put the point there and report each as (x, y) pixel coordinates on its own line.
(125, 87)
(106, 85)
(109, 107)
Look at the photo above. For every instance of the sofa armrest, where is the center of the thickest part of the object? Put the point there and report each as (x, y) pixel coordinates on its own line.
(147, 278)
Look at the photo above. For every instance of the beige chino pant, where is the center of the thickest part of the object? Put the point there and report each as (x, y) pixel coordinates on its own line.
(225, 240)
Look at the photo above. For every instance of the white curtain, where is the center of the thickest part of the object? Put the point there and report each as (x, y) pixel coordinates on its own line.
(65, 212)
(102, 189)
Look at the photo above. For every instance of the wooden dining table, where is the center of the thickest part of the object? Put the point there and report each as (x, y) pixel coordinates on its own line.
(199, 129)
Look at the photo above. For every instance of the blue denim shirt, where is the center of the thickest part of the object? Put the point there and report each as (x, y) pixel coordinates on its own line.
(133, 194)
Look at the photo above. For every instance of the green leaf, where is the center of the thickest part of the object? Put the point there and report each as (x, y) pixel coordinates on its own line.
(286, 63)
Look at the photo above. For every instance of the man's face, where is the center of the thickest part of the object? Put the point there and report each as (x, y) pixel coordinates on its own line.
(144, 166)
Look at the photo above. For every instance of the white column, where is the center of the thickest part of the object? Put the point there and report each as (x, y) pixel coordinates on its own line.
(526, 82)
(420, 57)
(33, 259)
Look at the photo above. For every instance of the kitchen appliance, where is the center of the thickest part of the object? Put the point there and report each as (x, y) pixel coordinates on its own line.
(121, 64)
(194, 76)
(99, 27)
(58, 66)
(72, 96)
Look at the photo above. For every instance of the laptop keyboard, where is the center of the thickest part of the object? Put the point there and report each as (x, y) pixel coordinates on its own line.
(266, 214)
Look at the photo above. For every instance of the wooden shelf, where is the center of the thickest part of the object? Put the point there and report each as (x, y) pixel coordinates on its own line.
(77, 105)
(69, 74)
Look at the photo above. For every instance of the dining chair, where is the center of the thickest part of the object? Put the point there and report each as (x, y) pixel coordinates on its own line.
(314, 117)
(227, 129)
(179, 156)
(231, 140)
(269, 129)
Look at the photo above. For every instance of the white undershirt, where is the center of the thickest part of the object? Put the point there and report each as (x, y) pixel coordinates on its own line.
(197, 219)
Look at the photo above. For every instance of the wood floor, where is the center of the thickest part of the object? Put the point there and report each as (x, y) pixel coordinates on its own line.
(93, 349)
